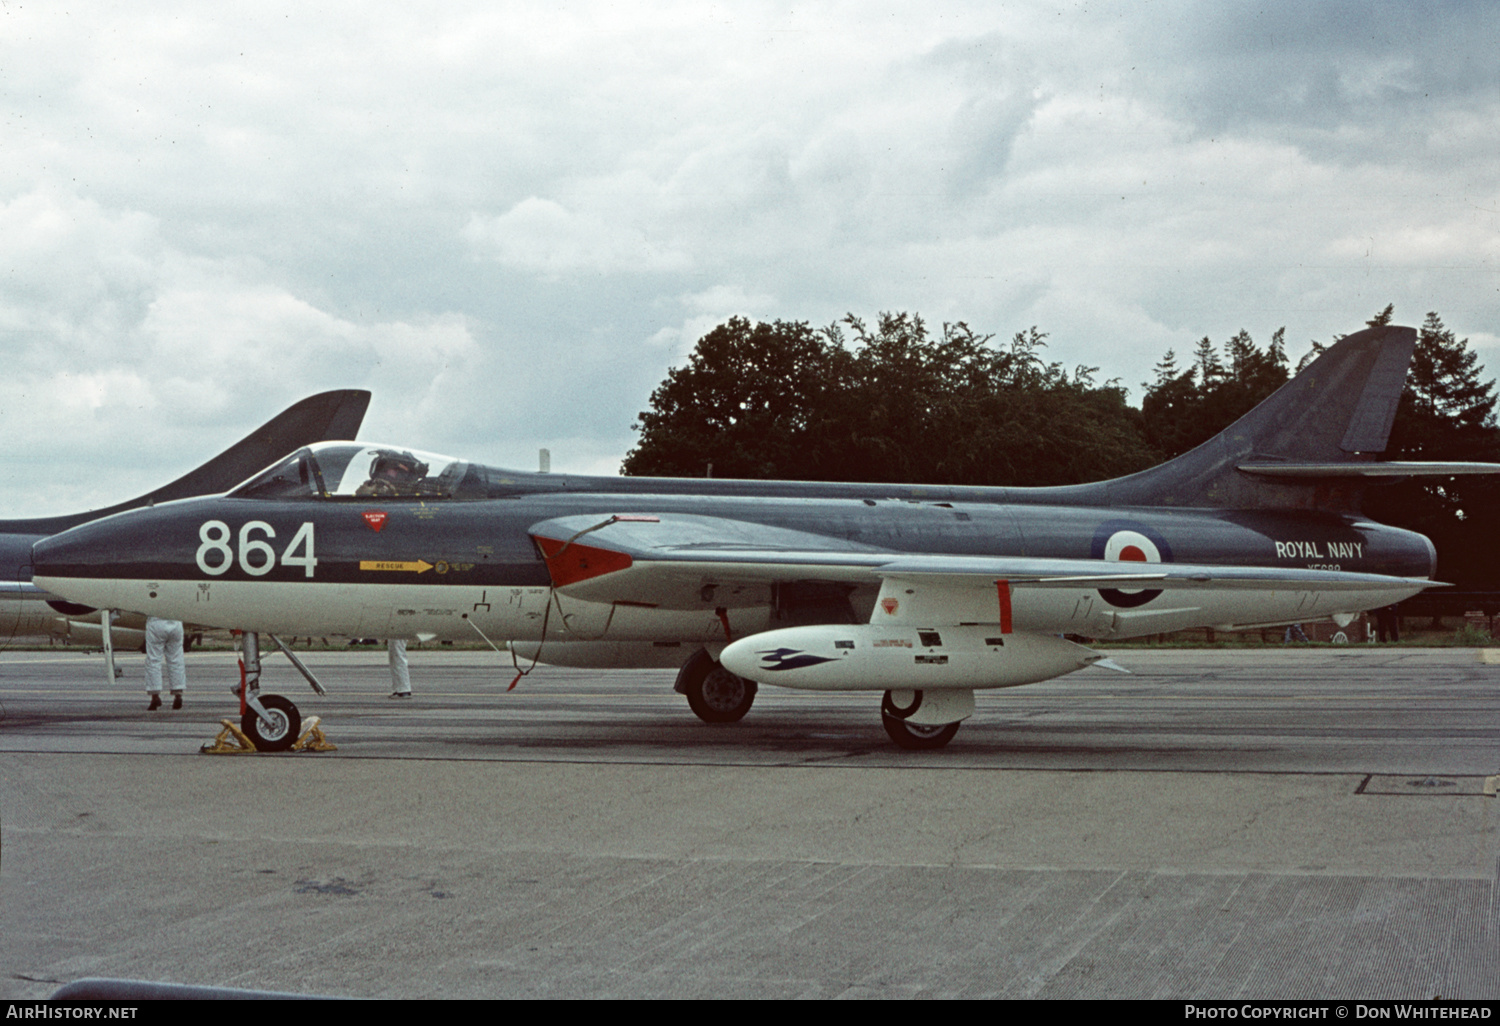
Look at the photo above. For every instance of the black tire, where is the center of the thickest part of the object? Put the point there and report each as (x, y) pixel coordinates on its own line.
(716, 695)
(282, 734)
(915, 737)
(888, 706)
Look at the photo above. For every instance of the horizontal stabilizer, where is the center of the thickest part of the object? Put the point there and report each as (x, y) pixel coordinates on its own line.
(1395, 468)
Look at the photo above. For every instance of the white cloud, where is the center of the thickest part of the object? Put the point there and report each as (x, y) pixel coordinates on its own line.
(542, 236)
(510, 221)
(125, 352)
(707, 310)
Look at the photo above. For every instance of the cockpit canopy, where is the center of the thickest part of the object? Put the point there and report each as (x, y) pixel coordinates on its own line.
(353, 470)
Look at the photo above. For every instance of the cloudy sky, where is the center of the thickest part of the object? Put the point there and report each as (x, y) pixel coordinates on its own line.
(509, 220)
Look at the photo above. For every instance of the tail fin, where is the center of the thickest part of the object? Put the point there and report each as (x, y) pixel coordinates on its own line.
(1305, 447)
(322, 417)
(327, 416)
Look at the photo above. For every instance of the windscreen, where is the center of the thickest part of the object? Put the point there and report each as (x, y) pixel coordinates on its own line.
(292, 478)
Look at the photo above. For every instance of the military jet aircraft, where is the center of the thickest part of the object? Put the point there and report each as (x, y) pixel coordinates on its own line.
(29, 613)
(925, 593)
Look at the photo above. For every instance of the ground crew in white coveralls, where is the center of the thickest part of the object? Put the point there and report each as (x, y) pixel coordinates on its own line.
(164, 642)
(400, 675)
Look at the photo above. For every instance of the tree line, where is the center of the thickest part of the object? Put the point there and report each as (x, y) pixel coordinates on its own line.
(898, 401)
(902, 404)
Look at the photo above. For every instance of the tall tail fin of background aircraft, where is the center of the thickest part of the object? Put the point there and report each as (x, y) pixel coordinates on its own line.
(322, 417)
(1311, 445)
(327, 416)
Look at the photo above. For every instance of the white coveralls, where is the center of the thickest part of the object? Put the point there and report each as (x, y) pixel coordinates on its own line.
(164, 641)
(400, 675)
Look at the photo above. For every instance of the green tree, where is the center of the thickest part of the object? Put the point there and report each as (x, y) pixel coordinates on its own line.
(744, 402)
(891, 402)
(1184, 410)
(1172, 407)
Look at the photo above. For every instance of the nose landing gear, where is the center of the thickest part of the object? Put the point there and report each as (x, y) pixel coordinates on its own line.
(271, 722)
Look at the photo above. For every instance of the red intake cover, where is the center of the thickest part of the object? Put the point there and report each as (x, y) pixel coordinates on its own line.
(579, 562)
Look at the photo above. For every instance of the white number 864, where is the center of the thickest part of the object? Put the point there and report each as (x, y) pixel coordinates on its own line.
(256, 555)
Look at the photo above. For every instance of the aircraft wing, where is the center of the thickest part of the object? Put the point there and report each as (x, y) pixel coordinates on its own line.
(666, 560)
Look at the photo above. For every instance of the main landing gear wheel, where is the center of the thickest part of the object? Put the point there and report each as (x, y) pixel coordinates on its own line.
(283, 730)
(913, 736)
(714, 694)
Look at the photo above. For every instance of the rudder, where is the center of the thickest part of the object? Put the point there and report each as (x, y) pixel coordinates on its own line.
(1337, 411)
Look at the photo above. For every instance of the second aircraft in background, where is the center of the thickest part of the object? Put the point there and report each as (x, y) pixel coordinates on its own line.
(29, 614)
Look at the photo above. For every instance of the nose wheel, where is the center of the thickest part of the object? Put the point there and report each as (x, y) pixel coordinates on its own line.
(278, 729)
(271, 722)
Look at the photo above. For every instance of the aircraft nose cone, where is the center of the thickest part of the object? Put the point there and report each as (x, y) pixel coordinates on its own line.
(76, 565)
(50, 554)
(90, 562)
(59, 565)
(72, 552)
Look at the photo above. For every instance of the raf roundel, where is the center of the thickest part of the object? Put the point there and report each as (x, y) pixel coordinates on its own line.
(1129, 542)
(1131, 547)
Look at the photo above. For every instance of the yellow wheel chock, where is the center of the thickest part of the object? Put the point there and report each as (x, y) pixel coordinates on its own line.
(313, 739)
(232, 740)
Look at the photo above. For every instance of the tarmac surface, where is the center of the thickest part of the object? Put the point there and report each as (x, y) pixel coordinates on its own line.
(1309, 823)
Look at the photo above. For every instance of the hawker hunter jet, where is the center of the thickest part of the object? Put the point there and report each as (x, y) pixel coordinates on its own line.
(29, 613)
(924, 593)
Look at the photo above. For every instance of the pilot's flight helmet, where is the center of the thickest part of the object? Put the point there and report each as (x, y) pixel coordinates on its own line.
(390, 465)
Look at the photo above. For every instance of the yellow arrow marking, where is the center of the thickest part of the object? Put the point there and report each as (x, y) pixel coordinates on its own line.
(420, 566)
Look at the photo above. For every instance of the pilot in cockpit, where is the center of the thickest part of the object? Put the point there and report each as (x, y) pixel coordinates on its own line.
(393, 473)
